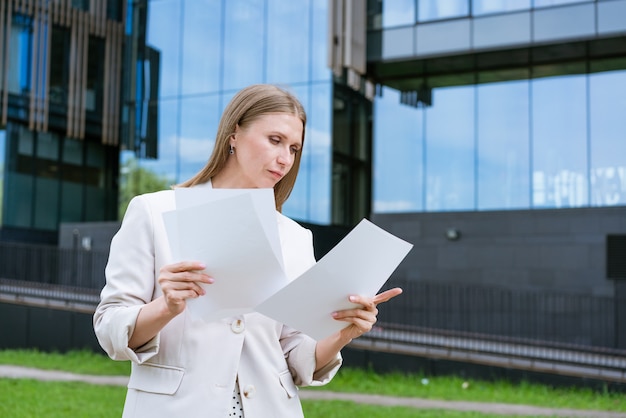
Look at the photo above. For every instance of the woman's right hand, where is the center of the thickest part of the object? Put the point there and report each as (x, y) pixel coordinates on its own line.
(182, 281)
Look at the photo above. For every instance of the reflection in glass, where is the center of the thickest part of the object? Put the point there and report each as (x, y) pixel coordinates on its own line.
(288, 31)
(168, 164)
(2, 152)
(481, 7)
(198, 125)
(59, 72)
(450, 178)
(161, 15)
(437, 9)
(503, 145)
(398, 13)
(398, 155)
(319, 67)
(201, 56)
(546, 3)
(20, 54)
(559, 138)
(297, 204)
(607, 106)
(244, 61)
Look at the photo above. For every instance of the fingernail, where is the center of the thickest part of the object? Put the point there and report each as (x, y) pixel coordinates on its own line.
(334, 314)
(352, 298)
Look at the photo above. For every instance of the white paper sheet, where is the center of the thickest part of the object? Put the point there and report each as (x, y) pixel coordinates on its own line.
(359, 265)
(228, 236)
(263, 200)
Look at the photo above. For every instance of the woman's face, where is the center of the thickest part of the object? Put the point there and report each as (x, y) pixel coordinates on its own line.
(265, 150)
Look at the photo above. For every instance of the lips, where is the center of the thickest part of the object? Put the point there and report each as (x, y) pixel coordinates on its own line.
(277, 174)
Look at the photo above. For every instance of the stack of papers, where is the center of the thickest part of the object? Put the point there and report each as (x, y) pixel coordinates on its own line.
(235, 233)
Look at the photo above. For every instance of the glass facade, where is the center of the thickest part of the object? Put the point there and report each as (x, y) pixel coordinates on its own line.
(547, 142)
(408, 12)
(213, 48)
(55, 179)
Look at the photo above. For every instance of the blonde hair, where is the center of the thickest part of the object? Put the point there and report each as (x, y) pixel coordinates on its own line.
(246, 106)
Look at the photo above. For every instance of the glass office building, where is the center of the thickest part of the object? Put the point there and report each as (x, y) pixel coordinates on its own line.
(497, 132)
(516, 104)
(209, 50)
(480, 105)
(59, 106)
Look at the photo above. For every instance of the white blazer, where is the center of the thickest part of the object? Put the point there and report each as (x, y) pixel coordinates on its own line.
(190, 368)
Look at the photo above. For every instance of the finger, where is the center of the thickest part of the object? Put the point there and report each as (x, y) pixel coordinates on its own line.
(387, 295)
(367, 303)
(177, 286)
(185, 266)
(186, 276)
(349, 315)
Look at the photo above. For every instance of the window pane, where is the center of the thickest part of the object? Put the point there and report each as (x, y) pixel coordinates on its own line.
(319, 149)
(95, 75)
(320, 70)
(19, 208)
(201, 55)
(480, 7)
(398, 12)
(163, 34)
(545, 3)
(168, 163)
(20, 54)
(398, 155)
(2, 169)
(559, 142)
(437, 9)
(503, 146)
(297, 206)
(59, 72)
(46, 203)
(608, 138)
(244, 28)
(199, 119)
(450, 179)
(288, 31)
(313, 183)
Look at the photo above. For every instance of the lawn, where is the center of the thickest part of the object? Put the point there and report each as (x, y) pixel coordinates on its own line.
(28, 398)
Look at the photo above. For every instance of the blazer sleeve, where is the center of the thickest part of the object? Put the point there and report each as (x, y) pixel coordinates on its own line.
(299, 352)
(130, 283)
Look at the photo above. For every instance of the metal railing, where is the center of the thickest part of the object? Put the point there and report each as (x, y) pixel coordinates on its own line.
(52, 265)
(563, 333)
(584, 320)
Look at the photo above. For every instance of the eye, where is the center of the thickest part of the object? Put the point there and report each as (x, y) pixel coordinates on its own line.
(294, 150)
(274, 140)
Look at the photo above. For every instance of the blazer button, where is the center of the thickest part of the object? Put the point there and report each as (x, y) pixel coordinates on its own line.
(237, 326)
(249, 391)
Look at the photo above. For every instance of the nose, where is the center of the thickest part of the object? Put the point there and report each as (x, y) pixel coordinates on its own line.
(284, 157)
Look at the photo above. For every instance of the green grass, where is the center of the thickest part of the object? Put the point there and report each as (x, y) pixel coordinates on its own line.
(81, 361)
(451, 388)
(28, 398)
(25, 398)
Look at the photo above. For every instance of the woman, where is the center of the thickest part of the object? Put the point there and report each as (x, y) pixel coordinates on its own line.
(248, 365)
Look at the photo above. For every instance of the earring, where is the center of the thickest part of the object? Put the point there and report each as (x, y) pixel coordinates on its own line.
(231, 151)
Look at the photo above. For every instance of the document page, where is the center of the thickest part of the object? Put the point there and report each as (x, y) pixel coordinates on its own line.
(235, 233)
(359, 265)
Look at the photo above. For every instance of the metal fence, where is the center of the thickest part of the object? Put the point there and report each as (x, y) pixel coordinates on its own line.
(584, 320)
(52, 265)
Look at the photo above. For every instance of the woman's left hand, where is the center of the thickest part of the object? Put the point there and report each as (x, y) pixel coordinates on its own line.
(363, 319)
